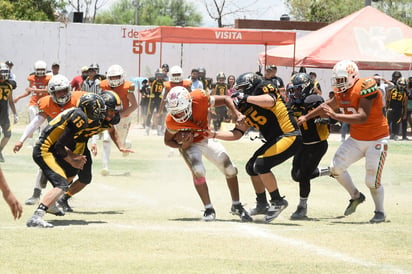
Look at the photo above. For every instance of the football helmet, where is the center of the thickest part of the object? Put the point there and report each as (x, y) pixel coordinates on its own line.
(247, 82)
(202, 73)
(165, 68)
(159, 74)
(111, 100)
(4, 72)
(344, 75)
(220, 75)
(302, 86)
(59, 83)
(401, 83)
(179, 104)
(40, 68)
(94, 67)
(176, 74)
(93, 106)
(115, 75)
(396, 74)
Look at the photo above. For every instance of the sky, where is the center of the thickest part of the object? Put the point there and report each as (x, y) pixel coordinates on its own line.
(257, 9)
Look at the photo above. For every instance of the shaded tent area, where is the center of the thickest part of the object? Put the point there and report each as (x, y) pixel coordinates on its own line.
(361, 36)
(195, 35)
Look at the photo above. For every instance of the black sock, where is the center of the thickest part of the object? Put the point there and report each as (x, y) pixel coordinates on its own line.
(261, 198)
(42, 207)
(275, 196)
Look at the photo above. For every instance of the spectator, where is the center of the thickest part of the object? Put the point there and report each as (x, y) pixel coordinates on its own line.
(316, 86)
(77, 81)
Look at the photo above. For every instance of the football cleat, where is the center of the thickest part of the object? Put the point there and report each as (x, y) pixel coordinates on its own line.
(209, 215)
(240, 211)
(64, 204)
(379, 217)
(37, 221)
(276, 207)
(261, 208)
(353, 204)
(300, 213)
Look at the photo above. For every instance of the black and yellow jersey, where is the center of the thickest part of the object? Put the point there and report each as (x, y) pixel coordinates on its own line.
(67, 126)
(311, 132)
(397, 98)
(272, 122)
(6, 89)
(156, 89)
(220, 89)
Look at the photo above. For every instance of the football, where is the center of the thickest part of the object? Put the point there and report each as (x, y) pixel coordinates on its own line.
(183, 136)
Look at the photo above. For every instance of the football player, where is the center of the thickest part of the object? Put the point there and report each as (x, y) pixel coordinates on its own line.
(6, 100)
(59, 163)
(189, 112)
(360, 103)
(60, 98)
(116, 81)
(265, 110)
(37, 88)
(315, 132)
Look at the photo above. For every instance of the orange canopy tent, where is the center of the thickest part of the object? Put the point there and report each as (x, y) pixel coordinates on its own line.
(360, 36)
(195, 35)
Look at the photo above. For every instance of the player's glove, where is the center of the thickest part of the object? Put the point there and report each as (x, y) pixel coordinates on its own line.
(16, 118)
(239, 98)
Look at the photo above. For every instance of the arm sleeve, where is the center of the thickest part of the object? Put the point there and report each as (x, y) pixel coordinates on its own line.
(34, 124)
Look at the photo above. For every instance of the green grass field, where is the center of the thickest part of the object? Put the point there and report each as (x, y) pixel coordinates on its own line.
(149, 222)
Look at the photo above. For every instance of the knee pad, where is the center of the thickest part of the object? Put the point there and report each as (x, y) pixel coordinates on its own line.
(296, 176)
(198, 171)
(230, 171)
(249, 168)
(336, 171)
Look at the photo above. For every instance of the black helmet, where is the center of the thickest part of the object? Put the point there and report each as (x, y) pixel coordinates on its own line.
(302, 85)
(396, 74)
(93, 106)
(247, 82)
(111, 100)
(165, 68)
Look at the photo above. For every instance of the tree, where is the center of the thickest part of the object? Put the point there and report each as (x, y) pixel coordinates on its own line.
(329, 11)
(32, 10)
(89, 8)
(218, 9)
(152, 12)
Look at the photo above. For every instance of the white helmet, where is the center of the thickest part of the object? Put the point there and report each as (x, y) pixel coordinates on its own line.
(176, 74)
(40, 68)
(115, 71)
(179, 104)
(58, 83)
(4, 71)
(345, 74)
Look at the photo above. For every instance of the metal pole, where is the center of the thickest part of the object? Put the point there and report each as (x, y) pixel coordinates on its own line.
(136, 12)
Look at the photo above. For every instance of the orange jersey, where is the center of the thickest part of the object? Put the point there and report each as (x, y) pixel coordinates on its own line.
(123, 90)
(51, 109)
(39, 83)
(169, 85)
(198, 121)
(376, 126)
